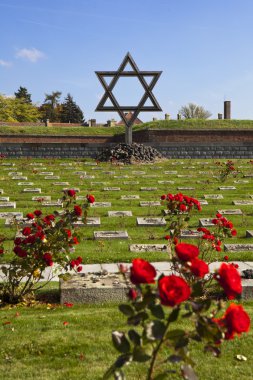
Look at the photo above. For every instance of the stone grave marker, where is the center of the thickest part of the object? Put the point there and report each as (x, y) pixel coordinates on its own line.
(7, 215)
(185, 188)
(238, 247)
(135, 172)
(213, 196)
(32, 190)
(166, 182)
(25, 184)
(206, 222)
(90, 163)
(97, 168)
(131, 182)
(184, 176)
(120, 176)
(98, 183)
(150, 222)
(149, 248)
(42, 198)
(150, 203)
(242, 203)
(108, 235)
(100, 204)
(52, 177)
(230, 212)
(8, 164)
(109, 172)
(80, 172)
(66, 164)
(111, 188)
(90, 222)
(249, 234)
(241, 181)
(15, 174)
(190, 234)
(248, 175)
(129, 197)
(148, 188)
(46, 173)
(170, 172)
(8, 205)
(1, 191)
(119, 213)
(203, 202)
(76, 189)
(87, 176)
(227, 188)
(4, 199)
(61, 183)
(52, 203)
(23, 222)
(19, 177)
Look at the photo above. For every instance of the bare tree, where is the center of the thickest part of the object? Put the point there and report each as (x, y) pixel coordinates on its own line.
(193, 111)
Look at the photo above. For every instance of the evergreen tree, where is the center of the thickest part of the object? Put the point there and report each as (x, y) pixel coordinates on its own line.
(70, 111)
(22, 93)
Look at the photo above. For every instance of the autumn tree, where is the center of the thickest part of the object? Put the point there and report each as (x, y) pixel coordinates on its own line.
(17, 110)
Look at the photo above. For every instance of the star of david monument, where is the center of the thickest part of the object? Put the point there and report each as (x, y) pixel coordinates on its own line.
(147, 96)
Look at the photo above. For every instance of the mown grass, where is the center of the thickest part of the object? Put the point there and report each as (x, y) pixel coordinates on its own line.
(94, 251)
(99, 131)
(35, 344)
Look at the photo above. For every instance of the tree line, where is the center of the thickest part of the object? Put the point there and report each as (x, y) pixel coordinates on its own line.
(20, 108)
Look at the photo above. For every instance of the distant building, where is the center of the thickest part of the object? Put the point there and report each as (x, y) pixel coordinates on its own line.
(128, 116)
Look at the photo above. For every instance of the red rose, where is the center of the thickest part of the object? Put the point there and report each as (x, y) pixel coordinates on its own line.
(173, 290)
(78, 210)
(48, 259)
(186, 252)
(79, 260)
(199, 268)
(233, 232)
(123, 268)
(182, 207)
(1, 251)
(68, 304)
(167, 237)
(142, 272)
(74, 240)
(37, 212)
(230, 279)
(26, 231)
(79, 269)
(19, 251)
(226, 258)
(71, 193)
(18, 241)
(68, 232)
(30, 216)
(163, 197)
(236, 321)
(90, 198)
(132, 294)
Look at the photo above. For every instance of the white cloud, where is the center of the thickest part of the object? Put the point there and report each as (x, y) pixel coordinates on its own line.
(32, 55)
(5, 63)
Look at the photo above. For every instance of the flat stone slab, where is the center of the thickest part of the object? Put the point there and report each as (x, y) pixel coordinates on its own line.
(111, 188)
(108, 235)
(129, 197)
(8, 205)
(101, 204)
(135, 172)
(185, 188)
(238, 247)
(52, 177)
(42, 198)
(206, 222)
(231, 212)
(109, 172)
(1, 191)
(87, 176)
(19, 177)
(241, 181)
(80, 173)
(249, 234)
(52, 204)
(32, 190)
(7, 215)
(90, 222)
(4, 199)
(46, 173)
(249, 175)
(184, 176)
(61, 183)
(213, 196)
(25, 184)
(149, 248)
(247, 289)
(24, 222)
(91, 288)
(98, 183)
(15, 173)
(242, 203)
(170, 172)
(120, 176)
(77, 190)
(189, 234)
(151, 222)
(166, 182)
(90, 163)
(150, 203)
(227, 188)
(203, 202)
(119, 213)
(131, 182)
(148, 188)
(66, 164)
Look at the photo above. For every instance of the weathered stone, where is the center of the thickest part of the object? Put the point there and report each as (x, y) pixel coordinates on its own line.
(131, 182)
(185, 188)
(32, 190)
(87, 176)
(170, 172)
(247, 289)
(248, 175)
(25, 184)
(230, 212)
(151, 222)
(150, 203)
(241, 181)
(227, 188)
(238, 247)
(52, 177)
(6, 215)
(1, 191)
(8, 205)
(119, 213)
(23, 222)
(148, 188)
(80, 172)
(52, 203)
(189, 234)
(90, 221)
(206, 222)
(203, 202)
(166, 182)
(4, 199)
(94, 289)
(77, 190)
(46, 173)
(150, 248)
(42, 198)
(135, 172)
(108, 235)
(249, 234)
(242, 203)
(213, 196)
(111, 188)
(19, 177)
(101, 204)
(61, 183)
(129, 197)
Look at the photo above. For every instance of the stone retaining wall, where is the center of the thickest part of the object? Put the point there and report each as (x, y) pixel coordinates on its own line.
(171, 143)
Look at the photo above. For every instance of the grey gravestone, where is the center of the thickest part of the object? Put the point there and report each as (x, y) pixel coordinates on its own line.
(148, 188)
(90, 222)
(247, 289)
(213, 196)
(32, 190)
(231, 212)
(98, 183)
(150, 203)
(108, 235)
(227, 188)
(101, 204)
(87, 176)
(25, 184)
(166, 182)
(109, 173)
(242, 202)
(94, 289)
(170, 172)
(46, 173)
(206, 222)
(90, 163)
(8, 205)
(61, 183)
(119, 213)
(203, 202)
(129, 197)
(149, 248)
(42, 198)
(77, 190)
(185, 188)
(120, 176)
(249, 175)
(241, 181)
(20, 177)
(80, 173)
(151, 222)
(52, 204)
(184, 176)
(1, 191)
(24, 222)
(138, 173)
(249, 233)
(66, 164)
(131, 182)
(52, 177)
(4, 199)
(238, 247)
(111, 188)
(6, 215)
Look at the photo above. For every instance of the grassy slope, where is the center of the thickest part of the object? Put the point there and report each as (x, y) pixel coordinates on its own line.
(36, 345)
(160, 124)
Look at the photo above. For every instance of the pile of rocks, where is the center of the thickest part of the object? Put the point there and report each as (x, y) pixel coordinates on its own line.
(130, 154)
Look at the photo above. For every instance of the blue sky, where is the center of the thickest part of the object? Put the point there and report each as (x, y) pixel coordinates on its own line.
(203, 47)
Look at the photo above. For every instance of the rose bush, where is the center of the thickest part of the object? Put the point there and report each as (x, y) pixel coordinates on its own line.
(47, 241)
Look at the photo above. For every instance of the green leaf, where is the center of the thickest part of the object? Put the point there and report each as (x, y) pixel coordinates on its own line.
(136, 319)
(142, 354)
(126, 310)
(120, 362)
(175, 358)
(4, 270)
(134, 337)
(175, 334)
(174, 315)
(155, 330)
(157, 311)
(120, 342)
(188, 372)
(182, 342)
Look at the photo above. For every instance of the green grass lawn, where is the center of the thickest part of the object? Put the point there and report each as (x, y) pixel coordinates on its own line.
(159, 124)
(35, 344)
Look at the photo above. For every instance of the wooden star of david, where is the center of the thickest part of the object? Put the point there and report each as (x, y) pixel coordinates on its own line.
(123, 73)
